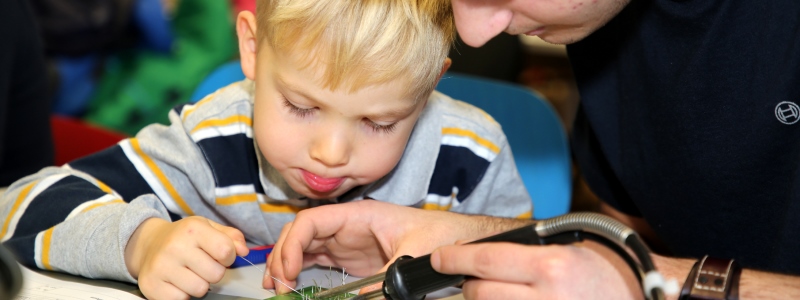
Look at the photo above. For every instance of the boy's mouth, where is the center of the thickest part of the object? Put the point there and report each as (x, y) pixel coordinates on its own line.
(321, 184)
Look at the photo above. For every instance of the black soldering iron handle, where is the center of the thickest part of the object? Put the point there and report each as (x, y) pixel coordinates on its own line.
(412, 278)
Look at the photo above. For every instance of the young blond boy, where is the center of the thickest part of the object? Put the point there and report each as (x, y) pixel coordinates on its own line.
(338, 106)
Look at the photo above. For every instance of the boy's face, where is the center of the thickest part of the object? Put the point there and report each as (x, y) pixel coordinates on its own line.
(555, 21)
(326, 142)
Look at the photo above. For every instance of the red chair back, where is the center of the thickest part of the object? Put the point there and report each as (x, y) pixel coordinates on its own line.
(74, 138)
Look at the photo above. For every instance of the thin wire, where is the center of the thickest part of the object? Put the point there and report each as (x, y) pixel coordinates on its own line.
(273, 277)
(355, 285)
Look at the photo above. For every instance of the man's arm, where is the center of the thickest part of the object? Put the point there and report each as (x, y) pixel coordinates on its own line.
(752, 285)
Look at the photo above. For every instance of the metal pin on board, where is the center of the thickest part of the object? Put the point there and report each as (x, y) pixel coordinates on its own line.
(273, 277)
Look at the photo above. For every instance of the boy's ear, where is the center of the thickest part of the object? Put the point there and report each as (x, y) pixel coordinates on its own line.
(447, 63)
(246, 30)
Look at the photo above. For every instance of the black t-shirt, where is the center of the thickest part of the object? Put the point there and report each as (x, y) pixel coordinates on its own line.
(689, 118)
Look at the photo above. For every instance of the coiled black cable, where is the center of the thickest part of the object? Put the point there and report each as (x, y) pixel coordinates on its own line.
(608, 232)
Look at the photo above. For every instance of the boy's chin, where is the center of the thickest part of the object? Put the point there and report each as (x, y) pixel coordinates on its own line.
(314, 195)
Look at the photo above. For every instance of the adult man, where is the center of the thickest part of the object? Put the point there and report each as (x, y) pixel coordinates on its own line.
(688, 129)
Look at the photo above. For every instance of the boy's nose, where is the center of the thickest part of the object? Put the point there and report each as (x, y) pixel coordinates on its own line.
(331, 148)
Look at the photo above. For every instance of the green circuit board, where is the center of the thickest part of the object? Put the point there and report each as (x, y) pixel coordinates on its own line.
(307, 293)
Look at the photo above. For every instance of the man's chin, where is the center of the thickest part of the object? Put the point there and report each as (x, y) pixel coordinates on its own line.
(563, 37)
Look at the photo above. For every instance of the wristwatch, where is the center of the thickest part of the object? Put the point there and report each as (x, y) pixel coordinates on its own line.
(712, 279)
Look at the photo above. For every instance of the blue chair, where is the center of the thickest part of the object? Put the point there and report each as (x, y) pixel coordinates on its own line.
(223, 75)
(534, 131)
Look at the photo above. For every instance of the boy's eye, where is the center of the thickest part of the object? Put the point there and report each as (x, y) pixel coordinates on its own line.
(300, 112)
(380, 128)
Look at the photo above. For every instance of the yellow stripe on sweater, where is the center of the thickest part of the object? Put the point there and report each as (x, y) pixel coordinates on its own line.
(434, 206)
(21, 198)
(526, 216)
(188, 110)
(279, 208)
(223, 122)
(161, 177)
(236, 199)
(96, 205)
(466, 133)
(104, 187)
(46, 239)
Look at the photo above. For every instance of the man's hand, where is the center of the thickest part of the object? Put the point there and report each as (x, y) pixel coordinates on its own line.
(180, 259)
(514, 271)
(364, 236)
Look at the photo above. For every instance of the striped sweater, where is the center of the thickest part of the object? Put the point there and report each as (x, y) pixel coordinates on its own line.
(77, 218)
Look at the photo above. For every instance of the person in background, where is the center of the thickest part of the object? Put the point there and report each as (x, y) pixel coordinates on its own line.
(26, 144)
(327, 114)
(688, 132)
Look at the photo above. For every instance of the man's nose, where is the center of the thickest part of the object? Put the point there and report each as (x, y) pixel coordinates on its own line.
(331, 147)
(478, 21)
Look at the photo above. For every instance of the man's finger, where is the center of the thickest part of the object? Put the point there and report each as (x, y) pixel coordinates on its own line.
(370, 288)
(304, 230)
(505, 262)
(487, 289)
(274, 266)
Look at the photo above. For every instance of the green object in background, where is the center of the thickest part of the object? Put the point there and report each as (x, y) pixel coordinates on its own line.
(308, 293)
(139, 86)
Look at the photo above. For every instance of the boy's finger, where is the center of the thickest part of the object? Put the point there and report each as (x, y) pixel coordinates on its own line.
(217, 244)
(199, 262)
(188, 282)
(234, 234)
(160, 290)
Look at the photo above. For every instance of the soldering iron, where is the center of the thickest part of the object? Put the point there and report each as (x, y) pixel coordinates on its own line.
(412, 278)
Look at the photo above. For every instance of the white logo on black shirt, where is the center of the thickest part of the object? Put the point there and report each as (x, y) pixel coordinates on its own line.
(787, 112)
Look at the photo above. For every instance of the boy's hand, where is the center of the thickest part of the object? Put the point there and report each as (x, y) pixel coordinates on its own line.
(180, 259)
(364, 236)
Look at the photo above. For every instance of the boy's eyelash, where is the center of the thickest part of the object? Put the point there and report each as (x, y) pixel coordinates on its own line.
(303, 112)
(381, 128)
(300, 112)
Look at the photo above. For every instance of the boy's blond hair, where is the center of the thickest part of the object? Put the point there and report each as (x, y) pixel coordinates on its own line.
(362, 42)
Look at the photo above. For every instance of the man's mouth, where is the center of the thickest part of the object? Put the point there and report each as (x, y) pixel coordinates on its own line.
(536, 31)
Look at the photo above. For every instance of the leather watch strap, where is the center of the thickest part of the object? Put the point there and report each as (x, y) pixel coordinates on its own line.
(712, 279)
